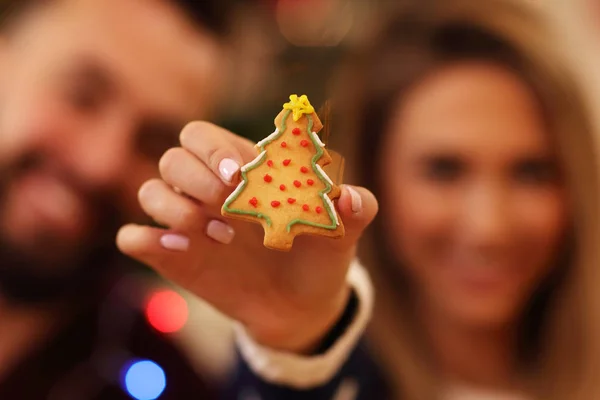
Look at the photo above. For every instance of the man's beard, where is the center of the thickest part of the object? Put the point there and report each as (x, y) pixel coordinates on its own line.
(28, 277)
(21, 281)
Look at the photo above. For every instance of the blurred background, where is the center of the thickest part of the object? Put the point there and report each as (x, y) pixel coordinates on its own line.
(298, 59)
(266, 50)
(304, 61)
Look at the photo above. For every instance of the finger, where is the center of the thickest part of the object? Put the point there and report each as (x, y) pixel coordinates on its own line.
(145, 244)
(161, 202)
(181, 169)
(170, 253)
(221, 151)
(357, 207)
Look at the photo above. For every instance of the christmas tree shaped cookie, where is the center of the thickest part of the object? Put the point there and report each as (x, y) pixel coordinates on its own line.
(285, 188)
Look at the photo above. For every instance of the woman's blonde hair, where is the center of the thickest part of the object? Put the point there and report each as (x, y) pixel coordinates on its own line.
(560, 332)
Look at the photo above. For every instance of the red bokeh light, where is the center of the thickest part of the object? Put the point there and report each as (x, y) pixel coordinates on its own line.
(167, 311)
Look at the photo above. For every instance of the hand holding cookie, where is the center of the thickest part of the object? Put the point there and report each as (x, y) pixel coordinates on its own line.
(286, 300)
(285, 188)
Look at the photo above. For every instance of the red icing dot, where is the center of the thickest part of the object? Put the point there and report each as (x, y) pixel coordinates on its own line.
(286, 162)
(291, 201)
(268, 178)
(318, 210)
(296, 131)
(275, 203)
(253, 201)
(310, 182)
(304, 170)
(305, 207)
(282, 187)
(297, 183)
(304, 143)
(270, 163)
(283, 144)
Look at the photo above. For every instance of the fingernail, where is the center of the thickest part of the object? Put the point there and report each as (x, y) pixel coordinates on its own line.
(228, 168)
(171, 241)
(219, 231)
(356, 200)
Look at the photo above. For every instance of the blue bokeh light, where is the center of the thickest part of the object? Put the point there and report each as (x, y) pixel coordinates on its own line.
(144, 380)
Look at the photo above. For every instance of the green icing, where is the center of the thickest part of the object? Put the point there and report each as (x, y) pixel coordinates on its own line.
(323, 192)
(314, 160)
(245, 179)
(239, 191)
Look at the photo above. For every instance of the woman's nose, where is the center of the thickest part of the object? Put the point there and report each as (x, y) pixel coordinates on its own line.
(486, 218)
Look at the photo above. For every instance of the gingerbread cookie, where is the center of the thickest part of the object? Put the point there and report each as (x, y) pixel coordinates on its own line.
(285, 188)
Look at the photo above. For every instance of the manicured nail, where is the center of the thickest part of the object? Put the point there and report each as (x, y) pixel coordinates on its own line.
(220, 231)
(228, 168)
(356, 200)
(174, 242)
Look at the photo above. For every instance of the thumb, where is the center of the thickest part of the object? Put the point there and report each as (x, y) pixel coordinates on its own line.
(357, 207)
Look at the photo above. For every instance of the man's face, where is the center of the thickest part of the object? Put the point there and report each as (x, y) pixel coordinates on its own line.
(91, 93)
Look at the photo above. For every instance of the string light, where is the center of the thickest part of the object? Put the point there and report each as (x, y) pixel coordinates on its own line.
(167, 311)
(145, 380)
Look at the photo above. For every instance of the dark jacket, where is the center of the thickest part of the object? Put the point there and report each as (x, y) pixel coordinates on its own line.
(359, 378)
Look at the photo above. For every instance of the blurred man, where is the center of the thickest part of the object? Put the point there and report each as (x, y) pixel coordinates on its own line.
(91, 94)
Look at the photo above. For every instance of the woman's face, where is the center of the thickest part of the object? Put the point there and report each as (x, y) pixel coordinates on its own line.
(476, 208)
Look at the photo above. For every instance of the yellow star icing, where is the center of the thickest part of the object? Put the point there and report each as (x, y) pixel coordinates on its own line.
(299, 106)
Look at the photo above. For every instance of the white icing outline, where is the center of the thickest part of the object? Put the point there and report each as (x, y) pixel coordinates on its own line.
(241, 185)
(326, 196)
(253, 162)
(269, 138)
(324, 174)
(236, 192)
(330, 204)
(318, 140)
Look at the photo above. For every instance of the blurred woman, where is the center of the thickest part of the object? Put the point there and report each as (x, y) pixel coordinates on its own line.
(465, 124)
(472, 134)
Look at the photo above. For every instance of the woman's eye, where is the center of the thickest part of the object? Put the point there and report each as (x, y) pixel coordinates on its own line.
(443, 169)
(535, 171)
